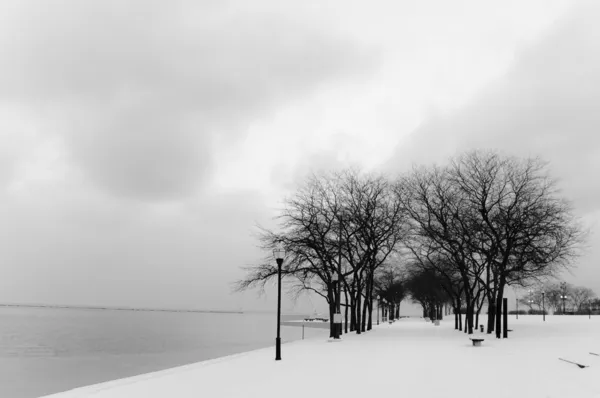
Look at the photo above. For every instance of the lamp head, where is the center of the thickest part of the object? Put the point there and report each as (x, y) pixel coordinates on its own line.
(279, 253)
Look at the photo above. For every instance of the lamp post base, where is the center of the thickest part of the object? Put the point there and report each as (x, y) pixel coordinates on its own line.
(278, 349)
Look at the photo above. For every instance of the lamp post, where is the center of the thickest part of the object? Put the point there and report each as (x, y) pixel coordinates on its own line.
(544, 306)
(590, 309)
(563, 288)
(517, 312)
(563, 297)
(338, 295)
(279, 254)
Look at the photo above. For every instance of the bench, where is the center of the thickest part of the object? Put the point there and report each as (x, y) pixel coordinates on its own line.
(477, 342)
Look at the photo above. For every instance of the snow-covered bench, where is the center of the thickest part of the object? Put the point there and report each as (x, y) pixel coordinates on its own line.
(477, 342)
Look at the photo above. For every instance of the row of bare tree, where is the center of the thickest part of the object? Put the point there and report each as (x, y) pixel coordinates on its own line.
(467, 230)
(345, 225)
(549, 296)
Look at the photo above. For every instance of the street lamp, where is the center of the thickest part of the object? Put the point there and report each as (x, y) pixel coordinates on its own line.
(563, 288)
(564, 298)
(544, 306)
(279, 254)
(530, 300)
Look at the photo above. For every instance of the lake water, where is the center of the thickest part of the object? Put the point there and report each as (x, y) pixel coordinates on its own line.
(48, 350)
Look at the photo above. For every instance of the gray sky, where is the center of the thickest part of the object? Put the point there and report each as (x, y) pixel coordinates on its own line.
(140, 141)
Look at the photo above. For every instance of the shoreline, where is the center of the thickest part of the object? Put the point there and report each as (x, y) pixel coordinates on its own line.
(58, 350)
(410, 348)
(92, 389)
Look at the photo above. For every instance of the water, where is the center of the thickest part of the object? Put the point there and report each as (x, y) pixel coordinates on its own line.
(44, 351)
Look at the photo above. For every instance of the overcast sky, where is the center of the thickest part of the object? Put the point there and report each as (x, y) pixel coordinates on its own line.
(140, 141)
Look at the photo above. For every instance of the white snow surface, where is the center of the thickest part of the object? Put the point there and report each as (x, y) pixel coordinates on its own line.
(410, 358)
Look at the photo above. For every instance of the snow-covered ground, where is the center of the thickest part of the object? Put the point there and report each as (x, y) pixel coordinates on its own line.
(410, 358)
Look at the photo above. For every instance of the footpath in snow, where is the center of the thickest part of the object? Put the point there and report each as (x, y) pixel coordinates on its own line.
(409, 358)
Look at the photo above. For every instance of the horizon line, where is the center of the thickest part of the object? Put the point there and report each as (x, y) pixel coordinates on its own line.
(120, 308)
(147, 309)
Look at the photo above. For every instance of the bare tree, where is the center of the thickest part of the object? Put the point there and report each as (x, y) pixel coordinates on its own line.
(390, 286)
(342, 224)
(496, 220)
(425, 288)
(527, 230)
(581, 297)
(444, 226)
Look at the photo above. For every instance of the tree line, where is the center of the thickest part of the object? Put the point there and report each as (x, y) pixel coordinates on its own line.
(456, 234)
(558, 297)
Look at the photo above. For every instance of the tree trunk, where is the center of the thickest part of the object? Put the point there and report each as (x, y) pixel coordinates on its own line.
(346, 310)
(363, 326)
(370, 308)
(358, 306)
(466, 325)
(370, 311)
(494, 308)
(458, 306)
(346, 320)
(491, 315)
(455, 319)
(370, 301)
(331, 323)
(353, 306)
(469, 315)
(499, 298)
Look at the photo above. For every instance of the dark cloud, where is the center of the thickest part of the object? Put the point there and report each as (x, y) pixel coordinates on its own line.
(144, 86)
(545, 105)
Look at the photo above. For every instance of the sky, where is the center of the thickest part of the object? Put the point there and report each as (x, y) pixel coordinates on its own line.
(141, 142)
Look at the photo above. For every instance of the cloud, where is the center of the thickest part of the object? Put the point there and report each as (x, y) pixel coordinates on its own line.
(85, 249)
(544, 105)
(143, 90)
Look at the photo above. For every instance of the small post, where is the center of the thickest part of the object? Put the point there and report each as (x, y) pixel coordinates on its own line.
(302, 331)
(505, 316)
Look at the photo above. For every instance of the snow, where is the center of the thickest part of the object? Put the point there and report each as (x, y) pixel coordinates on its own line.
(410, 358)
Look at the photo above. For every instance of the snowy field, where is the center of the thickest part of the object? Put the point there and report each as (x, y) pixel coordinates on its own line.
(411, 358)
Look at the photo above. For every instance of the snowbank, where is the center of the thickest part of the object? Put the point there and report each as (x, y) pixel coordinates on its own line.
(410, 358)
